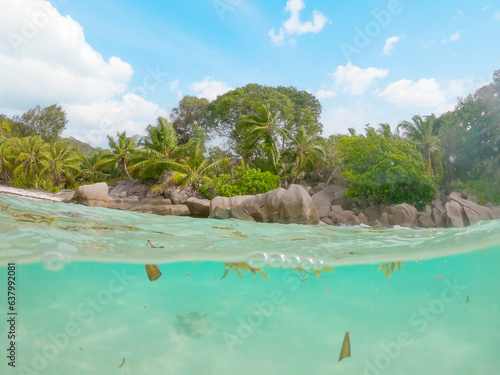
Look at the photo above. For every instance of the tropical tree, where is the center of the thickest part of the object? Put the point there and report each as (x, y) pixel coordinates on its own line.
(30, 159)
(121, 151)
(304, 149)
(61, 164)
(421, 132)
(264, 127)
(194, 170)
(160, 145)
(7, 157)
(91, 169)
(46, 122)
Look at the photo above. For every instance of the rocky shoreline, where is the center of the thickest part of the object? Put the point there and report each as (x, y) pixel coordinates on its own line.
(297, 204)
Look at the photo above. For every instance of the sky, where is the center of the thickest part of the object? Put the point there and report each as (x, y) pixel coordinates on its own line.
(117, 65)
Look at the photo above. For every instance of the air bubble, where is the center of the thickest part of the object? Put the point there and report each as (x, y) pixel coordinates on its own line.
(257, 260)
(293, 261)
(318, 265)
(307, 263)
(54, 261)
(276, 260)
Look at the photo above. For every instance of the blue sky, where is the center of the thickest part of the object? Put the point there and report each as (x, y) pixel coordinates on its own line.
(116, 65)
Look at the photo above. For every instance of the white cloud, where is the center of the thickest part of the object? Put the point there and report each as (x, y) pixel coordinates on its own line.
(325, 94)
(405, 93)
(497, 16)
(389, 44)
(45, 59)
(485, 8)
(294, 26)
(452, 37)
(209, 88)
(338, 120)
(460, 14)
(354, 80)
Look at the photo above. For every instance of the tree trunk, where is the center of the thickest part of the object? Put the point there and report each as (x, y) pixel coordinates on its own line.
(126, 170)
(331, 176)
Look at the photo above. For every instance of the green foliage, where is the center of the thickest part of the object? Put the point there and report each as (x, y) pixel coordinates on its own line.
(190, 111)
(243, 181)
(485, 190)
(48, 122)
(385, 169)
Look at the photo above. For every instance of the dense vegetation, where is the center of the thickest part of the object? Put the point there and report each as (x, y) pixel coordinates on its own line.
(269, 136)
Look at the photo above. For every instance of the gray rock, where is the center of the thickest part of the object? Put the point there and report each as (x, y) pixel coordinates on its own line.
(454, 215)
(385, 220)
(425, 220)
(323, 211)
(220, 213)
(236, 213)
(373, 212)
(437, 217)
(327, 220)
(294, 205)
(149, 206)
(474, 211)
(471, 216)
(95, 195)
(350, 217)
(198, 207)
(324, 197)
(404, 215)
(363, 219)
(337, 219)
(226, 203)
(336, 208)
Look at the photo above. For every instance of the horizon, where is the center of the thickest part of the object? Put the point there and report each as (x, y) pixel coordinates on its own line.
(118, 66)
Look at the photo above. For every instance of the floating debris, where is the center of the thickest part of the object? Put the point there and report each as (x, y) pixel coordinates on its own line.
(224, 228)
(242, 268)
(299, 239)
(123, 362)
(150, 244)
(389, 268)
(467, 300)
(153, 272)
(439, 276)
(346, 347)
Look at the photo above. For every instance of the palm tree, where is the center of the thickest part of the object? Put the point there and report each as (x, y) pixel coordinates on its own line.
(385, 129)
(161, 145)
(7, 157)
(31, 157)
(61, 163)
(194, 170)
(263, 126)
(304, 149)
(421, 132)
(91, 166)
(121, 151)
(4, 126)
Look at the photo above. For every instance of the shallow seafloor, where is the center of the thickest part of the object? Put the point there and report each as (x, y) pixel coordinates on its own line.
(85, 305)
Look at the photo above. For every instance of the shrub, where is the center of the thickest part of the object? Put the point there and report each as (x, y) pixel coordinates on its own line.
(245, 180)
(385, 169)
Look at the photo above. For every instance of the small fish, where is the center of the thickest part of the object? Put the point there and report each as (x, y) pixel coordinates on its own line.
(439, 276)
(467, 300)
(346, 347)
(187, 274)
(153, 272)
(123, 362)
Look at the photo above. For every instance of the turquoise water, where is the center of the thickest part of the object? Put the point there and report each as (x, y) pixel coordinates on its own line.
(85, 304)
